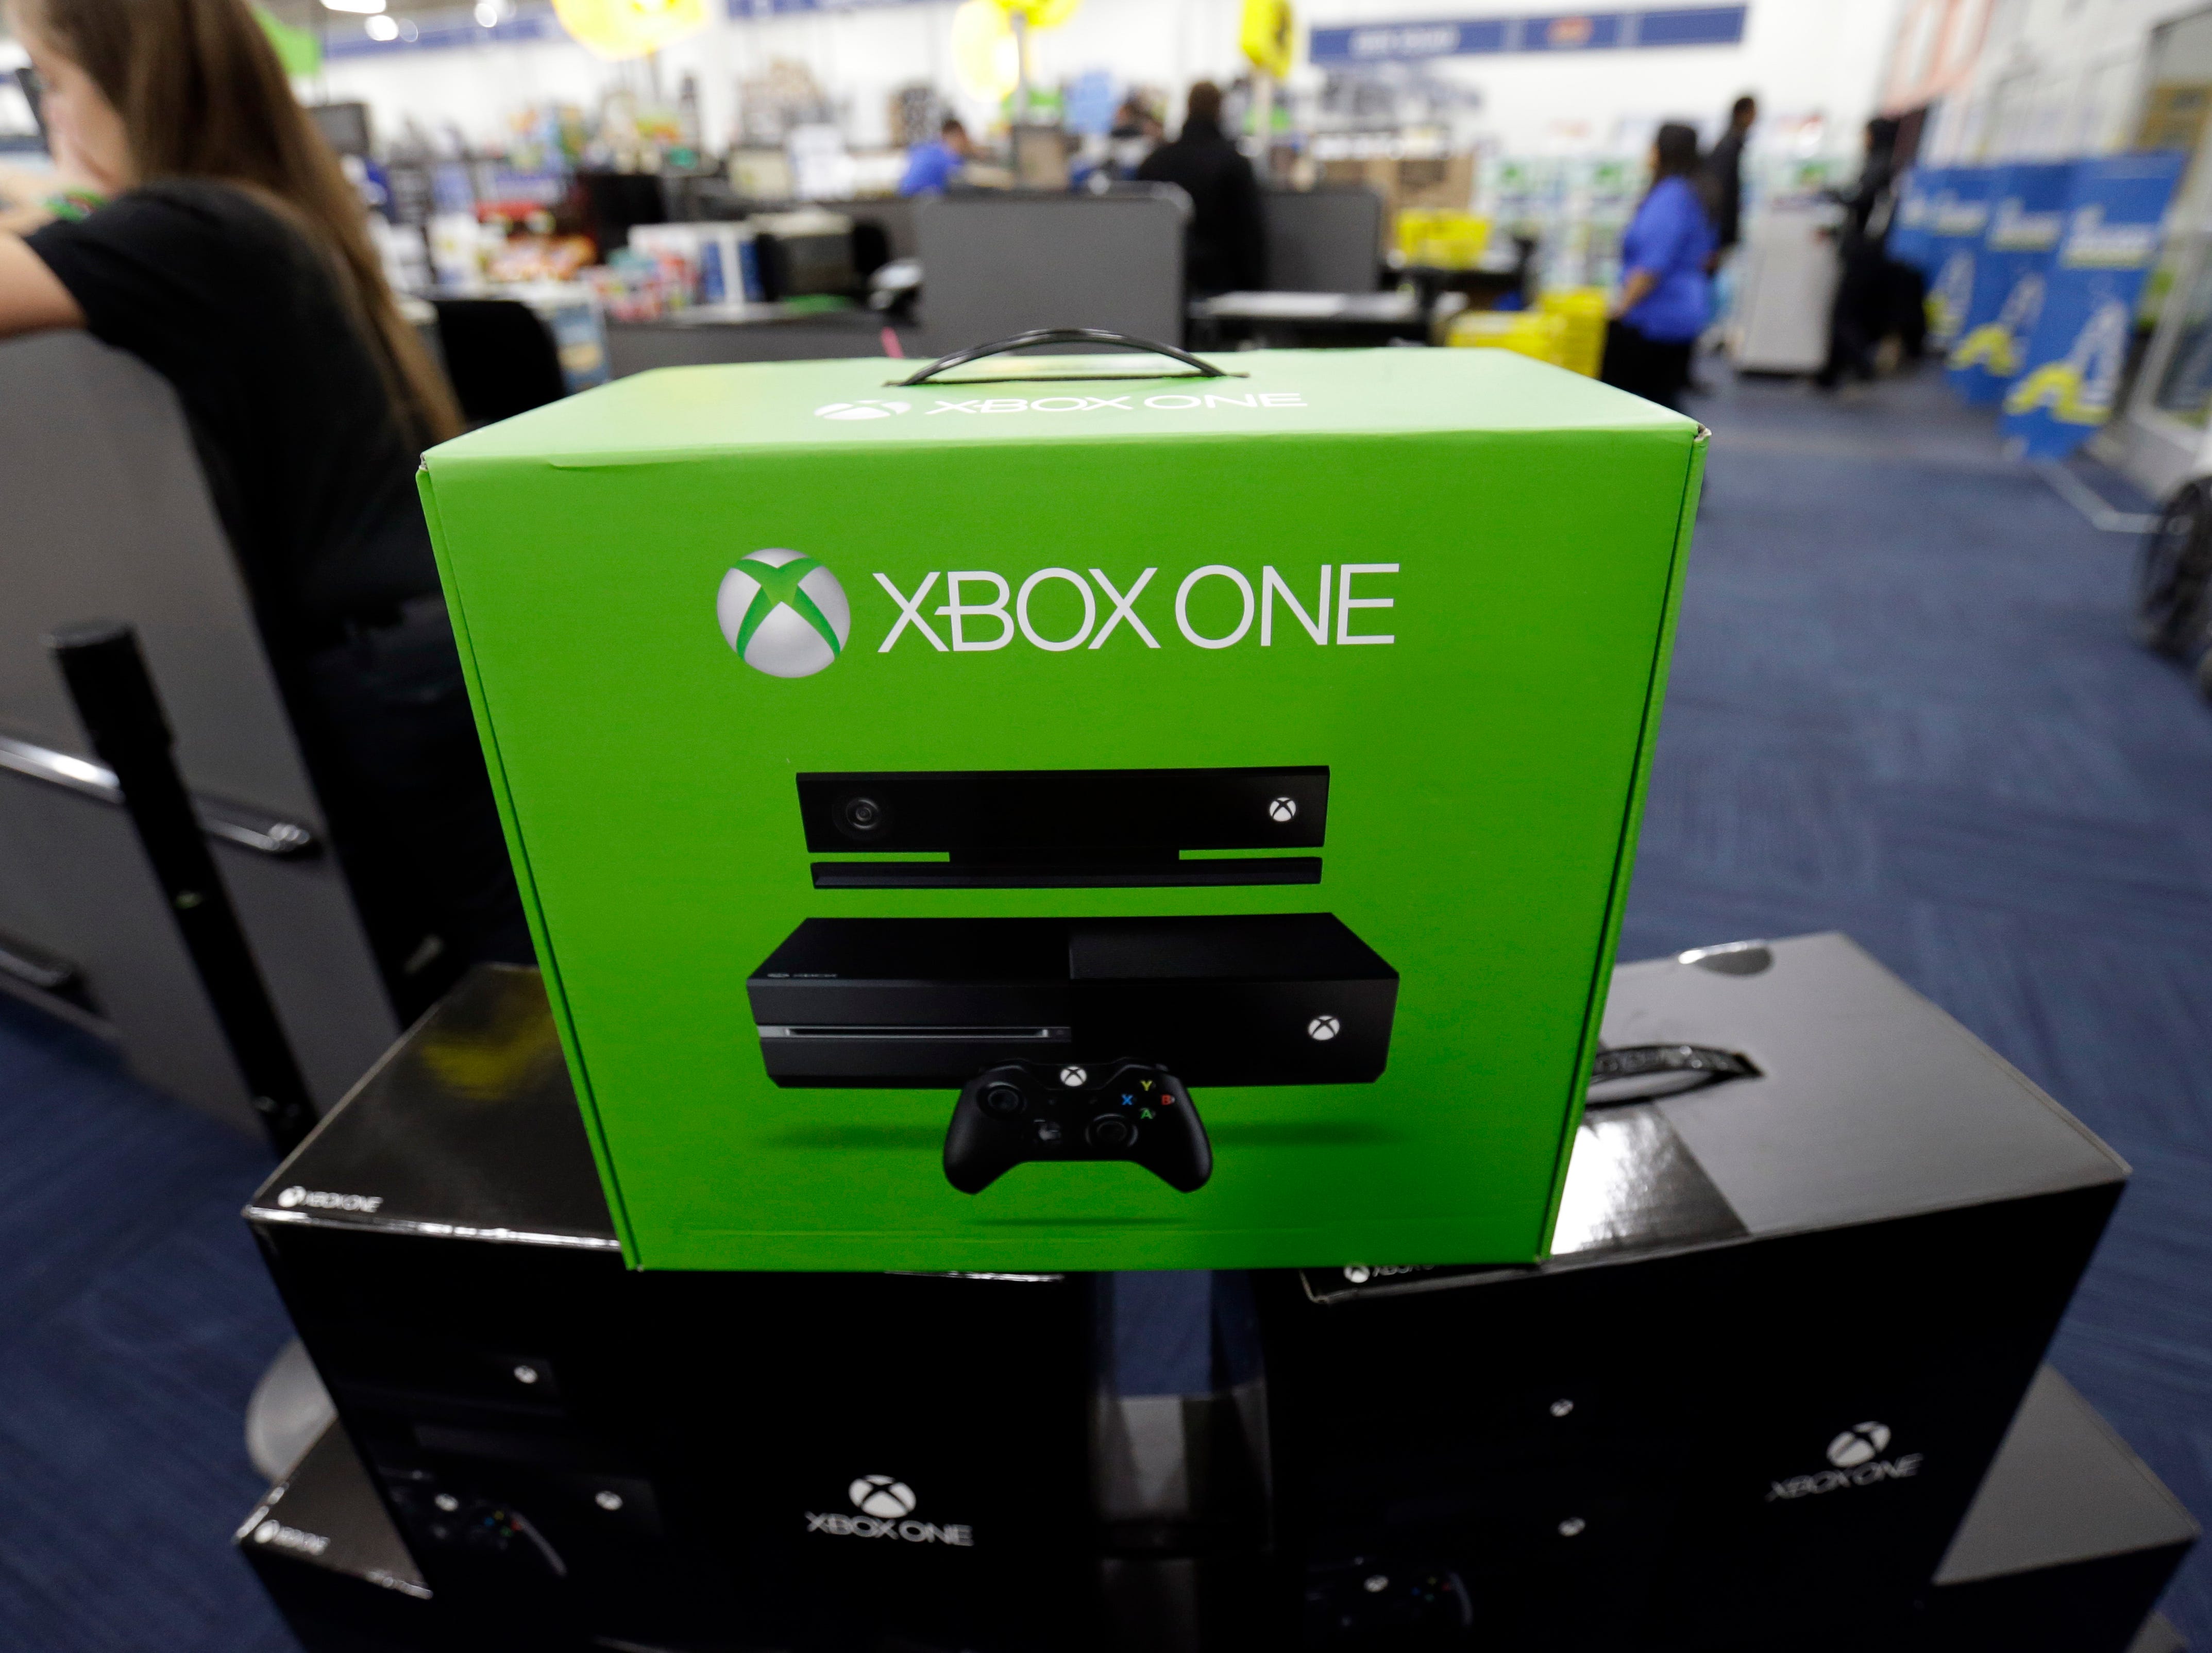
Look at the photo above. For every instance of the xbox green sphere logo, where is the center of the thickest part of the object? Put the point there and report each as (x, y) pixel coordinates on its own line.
(784, 613)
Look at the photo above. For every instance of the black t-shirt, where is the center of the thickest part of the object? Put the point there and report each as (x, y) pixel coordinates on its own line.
(1724, 177)
(309, 467)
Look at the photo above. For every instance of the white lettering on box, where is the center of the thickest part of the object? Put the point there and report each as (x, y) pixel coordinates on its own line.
(959, 612)
(1345, 602)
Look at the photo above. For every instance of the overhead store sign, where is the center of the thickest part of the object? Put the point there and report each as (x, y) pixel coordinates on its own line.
(1580, 31)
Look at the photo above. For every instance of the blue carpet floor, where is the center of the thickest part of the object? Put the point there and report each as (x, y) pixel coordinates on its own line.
(135, 1317)
(1904, 704)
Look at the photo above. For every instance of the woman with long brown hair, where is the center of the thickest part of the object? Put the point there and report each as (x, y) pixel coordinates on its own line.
(226, 250)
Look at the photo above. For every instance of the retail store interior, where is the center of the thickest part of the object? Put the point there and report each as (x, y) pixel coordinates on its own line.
(1663, 1105)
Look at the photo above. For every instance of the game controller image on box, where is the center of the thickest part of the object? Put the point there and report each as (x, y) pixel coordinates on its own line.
(1106, 811)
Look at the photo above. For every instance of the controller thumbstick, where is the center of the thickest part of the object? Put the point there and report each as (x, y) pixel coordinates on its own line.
(1110, 1131)
(1004, 1102)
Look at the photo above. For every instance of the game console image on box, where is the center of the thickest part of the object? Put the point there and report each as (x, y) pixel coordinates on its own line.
(1033, 1017)
(1229, 999)
(1042, 1004)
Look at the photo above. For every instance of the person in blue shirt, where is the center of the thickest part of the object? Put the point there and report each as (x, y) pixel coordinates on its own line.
(1666, 294)
(932, 168)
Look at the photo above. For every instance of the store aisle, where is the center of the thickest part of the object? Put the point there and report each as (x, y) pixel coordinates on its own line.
(1906, 704)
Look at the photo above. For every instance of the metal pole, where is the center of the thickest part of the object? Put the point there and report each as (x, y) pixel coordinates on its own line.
(115, 701)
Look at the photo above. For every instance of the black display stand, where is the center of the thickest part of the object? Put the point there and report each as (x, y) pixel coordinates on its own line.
(1784, 1339)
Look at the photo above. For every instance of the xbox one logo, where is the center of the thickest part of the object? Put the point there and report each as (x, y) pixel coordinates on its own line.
(1857, 1444)
(291, 1196)
(1323, 1028)
(883, 1497)
(862, 410)
(1073, 1078)
(1283, 809)
(784, 613)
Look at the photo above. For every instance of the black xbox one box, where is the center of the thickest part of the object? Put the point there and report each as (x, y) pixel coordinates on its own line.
(1742, 1302)
(571, 1448)
(1788, 1320)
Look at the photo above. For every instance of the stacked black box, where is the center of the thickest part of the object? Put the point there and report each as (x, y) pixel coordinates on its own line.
(2064, 1551)
(719, 1459)
(1748, 1402)
(1788, 1320)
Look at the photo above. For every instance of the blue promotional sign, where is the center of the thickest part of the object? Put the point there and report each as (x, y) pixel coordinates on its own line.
(1577, 31)
(1958, 217)
(1909, 242)
(2071, 374)
(2027, 209)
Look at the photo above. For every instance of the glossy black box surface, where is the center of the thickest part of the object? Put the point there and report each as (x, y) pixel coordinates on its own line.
(1788, 1321)
(569, 1444)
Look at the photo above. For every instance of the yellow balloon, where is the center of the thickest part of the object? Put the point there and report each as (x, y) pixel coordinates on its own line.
(1267, 35)
(616, 29)
(984, 53)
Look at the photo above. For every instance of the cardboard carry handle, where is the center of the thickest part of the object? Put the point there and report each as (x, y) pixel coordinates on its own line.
(1099, 335)
(1644, 1072)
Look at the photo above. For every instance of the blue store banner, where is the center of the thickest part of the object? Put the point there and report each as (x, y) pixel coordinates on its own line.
(1958, 217)
(2072, 371)
(1910, 239)
(2026, 213)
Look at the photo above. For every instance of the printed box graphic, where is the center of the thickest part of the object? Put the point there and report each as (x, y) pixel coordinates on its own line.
(1063, 718)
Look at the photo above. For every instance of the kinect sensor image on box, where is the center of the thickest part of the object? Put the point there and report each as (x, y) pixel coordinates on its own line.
(1066, 829)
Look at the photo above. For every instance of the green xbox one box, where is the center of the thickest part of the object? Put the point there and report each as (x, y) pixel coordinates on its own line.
(1075, 812)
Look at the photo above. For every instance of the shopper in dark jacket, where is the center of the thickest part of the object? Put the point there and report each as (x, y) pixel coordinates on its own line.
(1226, 243)
(231, 257)
(1724, 175)
(1863, 310)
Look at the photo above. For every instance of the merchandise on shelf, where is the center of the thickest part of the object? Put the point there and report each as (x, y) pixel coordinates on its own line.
(1441, 239)
(1526, 332)
(538, 258)
(1583, 312)
(630, 287)
(716, 261)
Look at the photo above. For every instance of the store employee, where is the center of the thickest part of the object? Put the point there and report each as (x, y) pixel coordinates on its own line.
(231, 256)
(1665, 292)
(932, 169)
